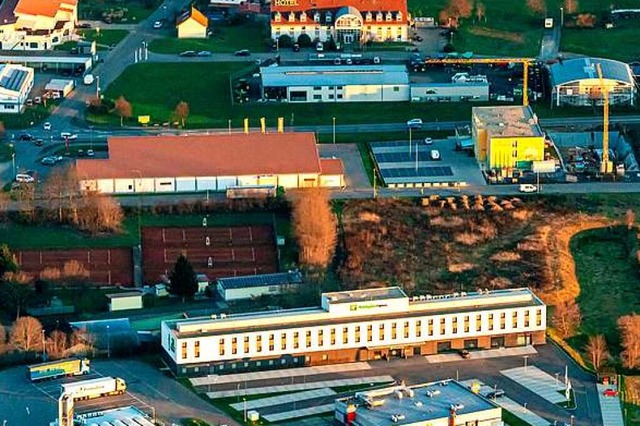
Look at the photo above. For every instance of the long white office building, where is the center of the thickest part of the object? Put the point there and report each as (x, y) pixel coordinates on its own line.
(354, 326)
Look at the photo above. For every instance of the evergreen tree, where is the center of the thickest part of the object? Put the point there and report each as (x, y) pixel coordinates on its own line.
(183, 279)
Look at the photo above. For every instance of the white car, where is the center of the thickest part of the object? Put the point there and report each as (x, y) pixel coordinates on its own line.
(435, 155)
(428, 141)
(46, 126)
(24, 178)
(90, 153)
(527, 187)
(157, 25)
(48, 161)
(68, 136)
(414, 123)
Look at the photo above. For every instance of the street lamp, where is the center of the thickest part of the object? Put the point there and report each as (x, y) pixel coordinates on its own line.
(561, 16)
(244, 407)
(108, 343)
(557, 374)
(98, 86)
(13, 161)
(44, 347)
(410, 135)
(138, 187)
(334, 130)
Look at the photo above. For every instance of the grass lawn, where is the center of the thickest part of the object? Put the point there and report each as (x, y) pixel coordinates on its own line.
(137, 10)
(30, 116)
(103, 38)
(225, 39)
(599, 42)
(608, 277)
(205, 87)
(6, 151)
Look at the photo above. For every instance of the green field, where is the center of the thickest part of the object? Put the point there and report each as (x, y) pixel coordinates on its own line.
(607, 270)
(614, 43)
(225, 39)
(205, 87)
(137, 10)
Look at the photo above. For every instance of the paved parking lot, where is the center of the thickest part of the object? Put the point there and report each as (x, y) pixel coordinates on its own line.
(610, 407)
(485, 354)
(536, 380)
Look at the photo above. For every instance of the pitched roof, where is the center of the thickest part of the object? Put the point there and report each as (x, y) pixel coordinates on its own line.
(205, 155)
(194, 14)
(360, 5)
(42, 7)
(331, 166)
(585, 68)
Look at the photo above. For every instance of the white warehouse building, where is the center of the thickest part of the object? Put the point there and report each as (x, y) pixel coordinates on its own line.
(336, 83)
(354, 326)
(147, 164)
(16, 82)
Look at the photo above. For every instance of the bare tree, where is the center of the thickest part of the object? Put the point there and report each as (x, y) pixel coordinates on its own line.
(481, 11)
(123, 109)
(629, 326)
(314, 225)
(566, 318)
(630, 219)
(182, 112)
(57, 344)
(74, 269)
(100, 213)
(26, 334)
(537, 7)
(53, 192)
(571, 6)
(597, 350)
(24, 195)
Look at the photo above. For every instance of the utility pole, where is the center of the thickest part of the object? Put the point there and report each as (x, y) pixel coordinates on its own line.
(410, 141)
(334, 130)
(374, 183)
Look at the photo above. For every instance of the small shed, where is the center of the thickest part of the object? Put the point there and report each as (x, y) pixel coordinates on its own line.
(125, 301)
(60, 86)
(203, 282)
(247, 287)
(192, 24)
(332, 173)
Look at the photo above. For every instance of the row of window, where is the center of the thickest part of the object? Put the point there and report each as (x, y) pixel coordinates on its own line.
(328, 17)
(279, 341)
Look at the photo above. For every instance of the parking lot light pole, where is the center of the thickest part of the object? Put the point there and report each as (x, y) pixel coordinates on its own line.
(244, 408)
(13, 162)
(44, 347)
(108, 343)
(334, 130)
(410, 142)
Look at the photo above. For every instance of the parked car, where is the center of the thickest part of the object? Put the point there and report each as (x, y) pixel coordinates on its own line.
(319, 47)
(188, 53)
(457, 406)
(527, 187)
(46, 126)
(243, 52)
(90, 153)
(24, 178)
(296, 47)
(498, 393)
(80, 153)
(610, 392)
(433, 392)
(39, 142)
(435, 156)
(414, 123)
(157, 25)
(68, 136)
(84, 25)
(464, 354)
(48, 161)
(428, 141)
(25, 137)
(203, 53)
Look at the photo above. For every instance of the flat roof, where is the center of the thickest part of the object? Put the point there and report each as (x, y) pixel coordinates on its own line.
(127, 415)
(12, 77)
(507, 121)
(419, 407)
(334, 75)
(204, 156)
(303, 317)
(365, 295)
(280, 278)
(572, 70)
(124, 295)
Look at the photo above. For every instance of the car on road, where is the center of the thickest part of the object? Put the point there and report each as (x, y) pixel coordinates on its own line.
(90, 153)
(527, 188)
(417, 38)
(188, 54)
(435, 156)
(157, 25)
(243, 52)
(610, 392)
(414, 123)
(46, 126)
(24, 178)
(39, 142)
(25, 137)
(428, 141)
(80, 153)
(464, 354)
(203, 53)
(48, 161)
(497, 393)
(68, 136)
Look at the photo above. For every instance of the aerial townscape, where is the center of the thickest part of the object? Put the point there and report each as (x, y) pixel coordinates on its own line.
(319, 212)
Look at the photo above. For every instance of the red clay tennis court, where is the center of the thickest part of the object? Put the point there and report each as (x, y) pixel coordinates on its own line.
(113, 266)
(215, 251)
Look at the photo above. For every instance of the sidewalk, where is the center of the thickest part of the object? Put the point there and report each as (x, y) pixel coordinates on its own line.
(610, 408)
(304, 412)
(485, 354)
(537, 381)
(283, 399)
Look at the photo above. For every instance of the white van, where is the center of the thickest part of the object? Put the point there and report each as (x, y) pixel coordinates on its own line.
(88, 79)
(319, 47)
(24, 178)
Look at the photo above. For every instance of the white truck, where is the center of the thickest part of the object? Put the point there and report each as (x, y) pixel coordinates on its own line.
(95, 388)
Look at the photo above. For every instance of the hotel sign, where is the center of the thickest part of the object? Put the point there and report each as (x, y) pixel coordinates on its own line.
(285, 3)
(357, 307)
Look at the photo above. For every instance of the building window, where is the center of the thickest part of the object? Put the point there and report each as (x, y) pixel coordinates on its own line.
(296, 342)
(325, 357)
(471, 344)
(345, 335)
(379, 17)
(283, 341)
(478, 322)
(399, 16)
(184, 350)
(340, 96)
(246, 344)
(333, 336)
(490, 322)
(389, 17)
(277, 17)
(292, 17)
(320, 338)
(466, 323)
(303, 17)
(331, 96)
(357, 334)
(316, 17)
(196, 347)
(317, 97)
(381, 332)
(539, 317)
(394, 329)
(221, 348)
(369, 333)
(328, 17)
(396, 88)
(418, 328)
(514, 320)
(442, 326)
(430, 326)
(406, 329)
(308, 338)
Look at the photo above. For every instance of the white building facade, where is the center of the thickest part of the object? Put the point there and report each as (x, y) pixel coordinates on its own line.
(354, 326)
(16, 83)
(354, 22)
(37, 25)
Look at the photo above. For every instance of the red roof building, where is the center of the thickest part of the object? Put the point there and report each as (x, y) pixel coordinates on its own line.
(356, 21)
(207, 162)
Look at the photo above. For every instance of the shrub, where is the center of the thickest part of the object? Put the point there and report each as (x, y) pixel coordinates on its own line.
(448, 48)
(285, 41)
(304, 40)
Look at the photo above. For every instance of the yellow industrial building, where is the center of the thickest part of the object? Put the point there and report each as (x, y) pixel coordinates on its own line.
(506, 137)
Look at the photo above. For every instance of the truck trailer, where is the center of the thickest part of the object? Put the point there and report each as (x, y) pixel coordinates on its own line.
(60, 368)
(95, 388)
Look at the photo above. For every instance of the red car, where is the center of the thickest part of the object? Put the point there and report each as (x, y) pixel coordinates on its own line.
(610, 392)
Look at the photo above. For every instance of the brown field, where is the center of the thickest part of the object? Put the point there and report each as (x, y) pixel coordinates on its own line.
(104, 266)
(497, 34)
(228, 252)
(453, 244)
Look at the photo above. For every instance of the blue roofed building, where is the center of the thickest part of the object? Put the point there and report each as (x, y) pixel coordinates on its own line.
(575, 82)
(440, 403)
(336, 83)
(16, 82)
(251, 286)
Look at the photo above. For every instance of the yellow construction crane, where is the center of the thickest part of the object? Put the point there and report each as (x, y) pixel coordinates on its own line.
(605, 164)
(524, 61)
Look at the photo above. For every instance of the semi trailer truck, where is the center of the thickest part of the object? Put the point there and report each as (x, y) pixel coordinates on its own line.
(95, 388)
(60, 368)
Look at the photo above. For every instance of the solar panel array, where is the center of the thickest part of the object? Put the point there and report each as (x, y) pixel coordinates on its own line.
(397, 163)
(13, 80)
